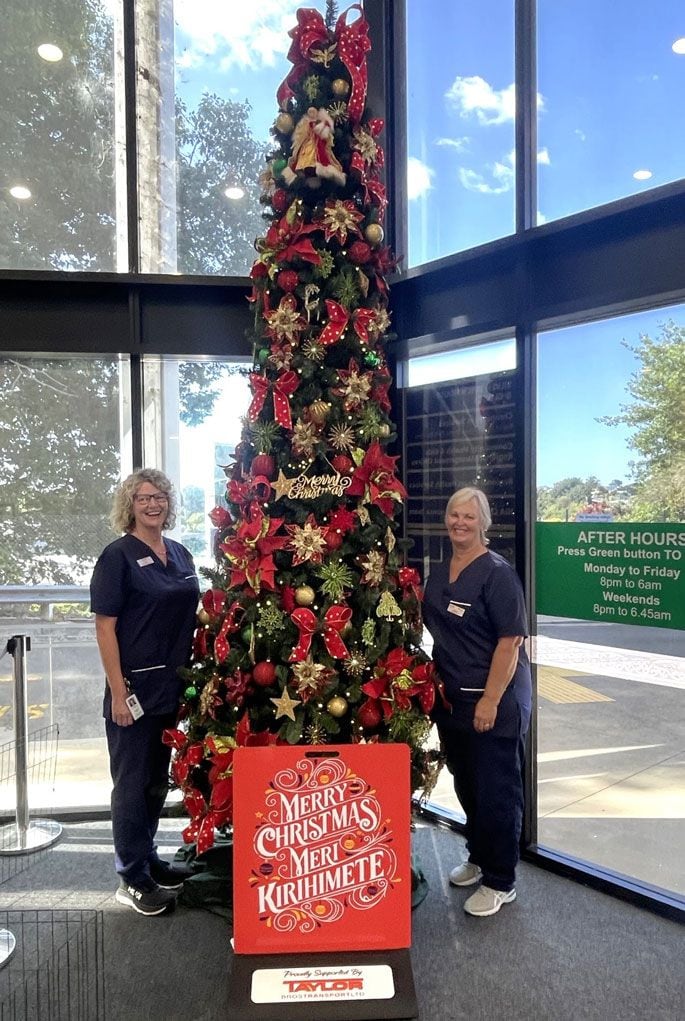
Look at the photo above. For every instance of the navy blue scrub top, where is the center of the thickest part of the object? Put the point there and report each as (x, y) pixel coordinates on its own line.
(466, 619)
(155, 606)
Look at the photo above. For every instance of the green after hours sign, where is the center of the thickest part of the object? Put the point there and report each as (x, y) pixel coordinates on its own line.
(626, 573)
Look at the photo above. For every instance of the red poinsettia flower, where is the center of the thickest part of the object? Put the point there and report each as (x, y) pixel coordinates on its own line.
(251, 550)
(375, 481)
(286, 242)
(343, 519)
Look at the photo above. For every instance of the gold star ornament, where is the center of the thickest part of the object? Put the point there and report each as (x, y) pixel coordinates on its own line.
(285, 705)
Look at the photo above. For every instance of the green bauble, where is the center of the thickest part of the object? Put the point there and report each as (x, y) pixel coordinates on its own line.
(263, 355)
(278, 166)
(246, 634)
(190, 692)
(372, 359)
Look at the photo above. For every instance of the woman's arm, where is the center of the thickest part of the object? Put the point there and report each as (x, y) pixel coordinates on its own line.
(502, 667)
(105, 633)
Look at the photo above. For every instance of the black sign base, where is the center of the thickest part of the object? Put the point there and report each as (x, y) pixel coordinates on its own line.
(402, 1005)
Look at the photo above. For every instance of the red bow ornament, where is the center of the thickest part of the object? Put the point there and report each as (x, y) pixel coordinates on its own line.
(229, 625)
(283, 388)
(309, 31)
(339, 317)
(353, 45)
(334, 621)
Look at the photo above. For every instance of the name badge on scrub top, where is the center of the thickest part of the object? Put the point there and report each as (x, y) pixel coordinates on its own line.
(145, 561)
(457, 608)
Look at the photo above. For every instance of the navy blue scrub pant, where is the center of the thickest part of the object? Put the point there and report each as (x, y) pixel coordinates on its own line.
(139, 764)
(488, 780)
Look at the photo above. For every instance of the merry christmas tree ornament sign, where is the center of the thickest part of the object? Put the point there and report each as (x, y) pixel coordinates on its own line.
(322, 850)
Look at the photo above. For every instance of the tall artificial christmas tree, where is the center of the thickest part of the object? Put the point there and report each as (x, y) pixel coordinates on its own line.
(310, 631)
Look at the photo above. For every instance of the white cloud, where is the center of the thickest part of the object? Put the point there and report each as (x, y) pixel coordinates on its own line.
(475, 95)
(419, 178)
(581, 134)
(491, 106)
(541, 218)
(250, 35)
(460, 144)
(500, 177)
(543, 156)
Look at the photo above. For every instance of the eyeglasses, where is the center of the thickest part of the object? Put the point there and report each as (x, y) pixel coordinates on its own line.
(145, 500)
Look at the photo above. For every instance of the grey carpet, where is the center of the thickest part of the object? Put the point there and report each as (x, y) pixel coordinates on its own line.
(560, 952)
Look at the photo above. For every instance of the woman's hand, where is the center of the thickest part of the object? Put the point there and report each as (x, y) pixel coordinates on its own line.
(485, 714)
(121, 714)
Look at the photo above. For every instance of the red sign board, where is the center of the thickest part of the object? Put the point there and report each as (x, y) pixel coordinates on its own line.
(321, 849)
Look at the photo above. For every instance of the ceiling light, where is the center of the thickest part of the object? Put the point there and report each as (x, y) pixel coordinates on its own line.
(679, 45)
(50, 52)
(234, 192)
(20, 192)
(642, 175)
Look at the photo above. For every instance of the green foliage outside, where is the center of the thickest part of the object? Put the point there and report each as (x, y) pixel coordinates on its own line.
(656, 415)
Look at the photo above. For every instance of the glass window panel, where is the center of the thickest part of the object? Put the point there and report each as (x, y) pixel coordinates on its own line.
(459, 427)
(611, 641)
(206, 101)
(460, 125)
(193, 411)
(65, 427)
(611, 121)
(62, 151)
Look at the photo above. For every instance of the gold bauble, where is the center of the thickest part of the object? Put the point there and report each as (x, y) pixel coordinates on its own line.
(340, 87)
(384, 429)
(337, 706)
(305, 595)
(319, 411)
(203, 617)
(374, 234)
(284, 123)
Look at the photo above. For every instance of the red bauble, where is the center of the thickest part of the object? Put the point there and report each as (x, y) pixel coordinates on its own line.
(369, 715)
(280, 200)
(287, 280)
(334, 539)
(359, 252)
(263, 464)
(342, 463)
(264, 673)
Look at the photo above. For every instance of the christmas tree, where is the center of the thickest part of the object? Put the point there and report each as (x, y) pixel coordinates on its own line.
(310, 632)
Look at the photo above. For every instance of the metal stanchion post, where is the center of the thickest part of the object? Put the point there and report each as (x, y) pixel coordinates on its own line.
(24, 835)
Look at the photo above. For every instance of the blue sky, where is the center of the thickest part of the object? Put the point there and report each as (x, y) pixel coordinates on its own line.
(610, 103)
(582, 375)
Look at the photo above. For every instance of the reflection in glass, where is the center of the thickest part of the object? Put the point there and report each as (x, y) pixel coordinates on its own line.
(611, 121)
(64, 423)
(193, 411)
(460, 431)
(460, 125)
(611, 451)
(57, 137)
(201, 142)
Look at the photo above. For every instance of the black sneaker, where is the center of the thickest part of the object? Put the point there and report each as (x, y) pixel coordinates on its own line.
(168, 877)
(146, 897)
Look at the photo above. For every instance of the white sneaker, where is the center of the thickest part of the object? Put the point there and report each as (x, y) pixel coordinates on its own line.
(465, 874)
(486, 901)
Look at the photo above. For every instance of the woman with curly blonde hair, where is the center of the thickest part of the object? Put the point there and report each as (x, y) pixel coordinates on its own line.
(144, 594)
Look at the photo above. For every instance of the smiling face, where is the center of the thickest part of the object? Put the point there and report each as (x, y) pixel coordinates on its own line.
(150, 507)
(463, 524)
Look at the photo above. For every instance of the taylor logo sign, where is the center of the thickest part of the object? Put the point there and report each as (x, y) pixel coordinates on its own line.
(321, 848)
(291, 985)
